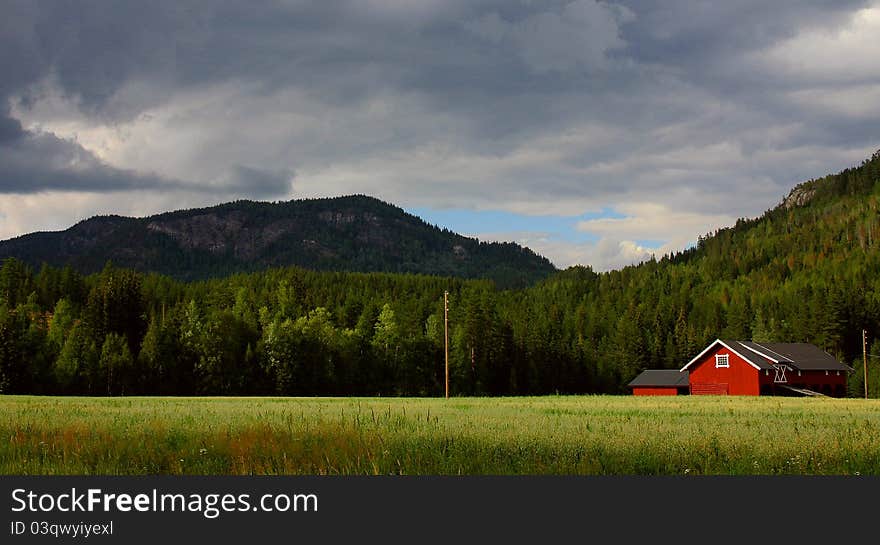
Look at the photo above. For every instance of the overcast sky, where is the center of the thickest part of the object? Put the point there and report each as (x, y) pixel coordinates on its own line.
(593, 132)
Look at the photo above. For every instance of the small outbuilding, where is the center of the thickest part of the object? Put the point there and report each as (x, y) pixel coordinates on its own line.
(660, 382)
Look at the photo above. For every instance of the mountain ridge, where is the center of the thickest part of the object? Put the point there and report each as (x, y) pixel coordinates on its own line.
(347, 233)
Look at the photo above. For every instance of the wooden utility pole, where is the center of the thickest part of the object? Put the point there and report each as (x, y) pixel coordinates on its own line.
(865, 358)
(446, 336)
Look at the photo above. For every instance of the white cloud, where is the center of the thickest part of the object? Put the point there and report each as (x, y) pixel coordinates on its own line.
(847, 53)
(651, 221)
(861, 102)
(604, 254)
(58, 210)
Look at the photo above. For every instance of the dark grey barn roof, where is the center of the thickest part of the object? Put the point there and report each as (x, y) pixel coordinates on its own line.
(807, 357)
(798, 356)
(672, 378)
(742, 348)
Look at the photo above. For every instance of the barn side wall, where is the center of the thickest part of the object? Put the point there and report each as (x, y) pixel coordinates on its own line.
(830, 384)
(654, 391)
(740, 378)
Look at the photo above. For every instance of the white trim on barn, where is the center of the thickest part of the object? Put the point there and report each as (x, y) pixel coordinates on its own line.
(712, 345)
(780, 377)
(766, 355)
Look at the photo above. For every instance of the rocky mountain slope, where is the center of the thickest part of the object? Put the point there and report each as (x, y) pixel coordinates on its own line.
(353, 233)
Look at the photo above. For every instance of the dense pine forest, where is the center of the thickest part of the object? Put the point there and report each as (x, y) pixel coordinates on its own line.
(806, 270)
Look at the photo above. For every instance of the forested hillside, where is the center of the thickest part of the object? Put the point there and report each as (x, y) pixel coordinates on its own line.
(352, 233)
(807, 270)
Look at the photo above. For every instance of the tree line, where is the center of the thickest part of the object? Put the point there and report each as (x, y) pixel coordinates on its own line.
(297, 332)
(799, 274)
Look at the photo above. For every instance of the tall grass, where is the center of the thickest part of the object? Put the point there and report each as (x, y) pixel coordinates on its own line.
(539, 435)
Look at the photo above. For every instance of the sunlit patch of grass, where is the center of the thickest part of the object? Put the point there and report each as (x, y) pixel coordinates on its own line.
(367, 436)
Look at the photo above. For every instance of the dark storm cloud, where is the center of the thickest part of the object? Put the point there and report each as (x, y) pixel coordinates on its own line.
(95, 47)
(10, 129)
(91, 50)
(341, 51)
(463, 54)
(32, 162)
(671, 76)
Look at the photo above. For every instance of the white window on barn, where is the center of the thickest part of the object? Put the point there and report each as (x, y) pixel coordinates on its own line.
(722, 360)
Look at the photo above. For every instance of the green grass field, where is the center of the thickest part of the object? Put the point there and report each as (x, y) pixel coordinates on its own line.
(595, 435)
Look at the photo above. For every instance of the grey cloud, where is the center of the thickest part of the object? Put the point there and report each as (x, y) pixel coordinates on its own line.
(255, 182)
(95, 48)
(115, 60)
(33, 162)
(90, 48)
(576, 37)
(654, 101)
(36, 162)
(686, 33)
(10, 129)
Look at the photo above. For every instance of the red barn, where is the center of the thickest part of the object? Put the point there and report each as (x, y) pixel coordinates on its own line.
(660, 382)
(750, 368)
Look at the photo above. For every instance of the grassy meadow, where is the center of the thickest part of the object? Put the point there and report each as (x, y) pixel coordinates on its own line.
(589, 435)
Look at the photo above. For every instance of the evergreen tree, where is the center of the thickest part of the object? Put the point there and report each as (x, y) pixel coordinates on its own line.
(75, 366)
(63, 319)
(116, 364)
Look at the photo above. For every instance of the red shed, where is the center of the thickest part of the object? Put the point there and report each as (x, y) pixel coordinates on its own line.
(750, 368)
(660, 382)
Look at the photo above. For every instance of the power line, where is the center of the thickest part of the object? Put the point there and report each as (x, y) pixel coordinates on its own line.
(865, 358)
(446, 336)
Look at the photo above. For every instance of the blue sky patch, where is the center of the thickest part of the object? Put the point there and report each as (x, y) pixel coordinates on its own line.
(475, 222)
